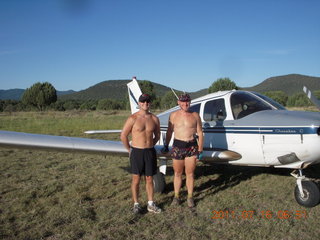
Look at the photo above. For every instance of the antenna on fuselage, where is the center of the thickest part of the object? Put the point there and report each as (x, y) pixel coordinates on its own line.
(174, 93)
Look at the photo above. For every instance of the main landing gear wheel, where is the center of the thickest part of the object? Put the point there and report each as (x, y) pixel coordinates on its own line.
(159, 182)
(310, 196)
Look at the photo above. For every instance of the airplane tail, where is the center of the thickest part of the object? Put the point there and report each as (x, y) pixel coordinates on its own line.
(134, 92)
(312, 98)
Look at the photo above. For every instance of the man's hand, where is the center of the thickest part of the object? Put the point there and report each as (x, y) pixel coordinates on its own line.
(200, 156)
(165, 149)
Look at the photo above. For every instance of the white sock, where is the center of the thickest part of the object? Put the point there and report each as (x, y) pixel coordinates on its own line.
(136, 203)
(150, 203)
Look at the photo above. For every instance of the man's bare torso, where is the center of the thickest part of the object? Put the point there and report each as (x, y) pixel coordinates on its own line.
(143, 129)
(184, 125)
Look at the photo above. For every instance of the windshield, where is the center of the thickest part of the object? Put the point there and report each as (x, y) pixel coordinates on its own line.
(244, 104)
(271, 101)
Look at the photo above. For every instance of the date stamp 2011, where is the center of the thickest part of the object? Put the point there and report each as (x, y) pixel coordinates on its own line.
(265, 214)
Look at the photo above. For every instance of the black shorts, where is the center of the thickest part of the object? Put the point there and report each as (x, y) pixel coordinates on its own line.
(143, 161)
(181, 149)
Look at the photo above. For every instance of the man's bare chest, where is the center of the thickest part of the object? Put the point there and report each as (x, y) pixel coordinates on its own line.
(144, 125)
(185, 121)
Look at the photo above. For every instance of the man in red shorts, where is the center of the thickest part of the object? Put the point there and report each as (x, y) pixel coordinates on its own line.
(145, 132)
(185, 149)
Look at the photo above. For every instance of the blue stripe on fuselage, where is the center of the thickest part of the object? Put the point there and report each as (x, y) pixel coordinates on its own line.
(259, 130)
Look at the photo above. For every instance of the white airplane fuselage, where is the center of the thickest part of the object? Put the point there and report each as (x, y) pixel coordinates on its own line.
(263, 137)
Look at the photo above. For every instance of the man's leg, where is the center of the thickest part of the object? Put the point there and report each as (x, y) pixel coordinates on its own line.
(149, 187)
(135, 187)
(178, 166)
(190, 165)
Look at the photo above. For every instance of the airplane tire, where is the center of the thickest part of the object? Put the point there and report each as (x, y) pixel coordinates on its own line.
(311, 192)
(159, 182)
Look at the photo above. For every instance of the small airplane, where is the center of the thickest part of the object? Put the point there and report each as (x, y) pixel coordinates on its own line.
(240, 128)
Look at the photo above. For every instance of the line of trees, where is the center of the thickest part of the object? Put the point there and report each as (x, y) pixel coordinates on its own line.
(43, 96)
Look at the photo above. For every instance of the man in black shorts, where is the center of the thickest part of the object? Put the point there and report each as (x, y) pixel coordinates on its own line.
(143, 161)
(144, 128)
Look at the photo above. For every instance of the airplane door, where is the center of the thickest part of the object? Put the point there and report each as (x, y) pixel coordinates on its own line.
(279, 147)
(214, 113)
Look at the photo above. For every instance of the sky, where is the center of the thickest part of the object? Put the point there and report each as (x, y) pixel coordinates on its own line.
(183, 44)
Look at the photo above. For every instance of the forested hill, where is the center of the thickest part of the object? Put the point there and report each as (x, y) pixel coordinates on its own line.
(290, 84)
(112, 89)
(117, 89)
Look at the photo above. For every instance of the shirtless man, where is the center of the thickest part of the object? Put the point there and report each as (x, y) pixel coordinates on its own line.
(185, 149)
(145, 132)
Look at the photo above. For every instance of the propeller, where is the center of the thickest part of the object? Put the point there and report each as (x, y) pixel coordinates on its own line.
(312, 98)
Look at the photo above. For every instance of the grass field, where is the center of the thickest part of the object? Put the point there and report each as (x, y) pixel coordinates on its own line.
(52, 195)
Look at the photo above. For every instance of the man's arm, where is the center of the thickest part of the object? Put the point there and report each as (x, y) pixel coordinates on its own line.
(127, 128)
(169, 131)
(156, 131)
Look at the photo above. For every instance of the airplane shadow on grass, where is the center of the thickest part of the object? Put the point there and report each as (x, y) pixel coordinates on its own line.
(229, 176)
(226, 176)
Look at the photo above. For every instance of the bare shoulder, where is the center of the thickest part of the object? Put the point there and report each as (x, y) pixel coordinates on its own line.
(154, 117)
(131, 119)
(173, 114)
(195, 114)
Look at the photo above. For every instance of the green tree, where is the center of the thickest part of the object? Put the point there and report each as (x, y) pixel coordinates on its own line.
(108, 104)
(222, 84)
(58, 105)
(89, 105)
(298, 100)
(72, 104)
(11, 106)
(169, 100)
(317, 94)
(278, 96)
(148, 88)
(40, 95)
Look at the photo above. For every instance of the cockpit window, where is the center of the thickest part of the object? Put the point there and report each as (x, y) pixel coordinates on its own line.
(243, 104)
(195, 108)
(271, 101)
(214, 110)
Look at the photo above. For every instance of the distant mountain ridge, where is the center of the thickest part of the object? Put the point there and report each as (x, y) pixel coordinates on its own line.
(12, 94)
(16, 94)
(112, 89)
(117, 89)
(290, 84)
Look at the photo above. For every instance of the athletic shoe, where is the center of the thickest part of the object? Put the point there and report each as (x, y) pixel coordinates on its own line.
(190, 203)
(175, 202)
(136, 209)
(153, 208)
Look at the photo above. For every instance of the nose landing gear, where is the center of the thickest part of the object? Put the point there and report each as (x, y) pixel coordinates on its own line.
(306, 192)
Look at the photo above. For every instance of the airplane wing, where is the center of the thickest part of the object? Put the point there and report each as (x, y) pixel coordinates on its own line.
(102, 131)
(22, 140)
(312, 98)
(60, 143)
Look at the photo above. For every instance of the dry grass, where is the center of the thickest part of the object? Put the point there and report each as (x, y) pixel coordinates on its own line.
(78, 196)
